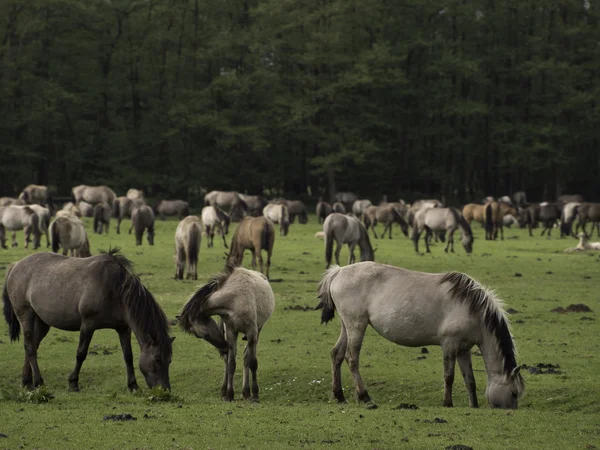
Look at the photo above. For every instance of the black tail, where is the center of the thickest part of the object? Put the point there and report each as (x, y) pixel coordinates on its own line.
(194, 244)
(489, 226)
(265, 236)
(324, 295)
(116, 209)
(328, 245)
(98, 219)
(14, 327)
(55, 235)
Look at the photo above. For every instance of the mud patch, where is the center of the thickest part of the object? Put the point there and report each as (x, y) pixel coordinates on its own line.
(406, 406)
(424, 350)
(512, 311)
(518, 274)
(276, 280)
(436, 420)
(458, 447)
(419, 358)
(583, 318)
(543, 368)
(120, 417)
(299, 308)
(3, 436)
(574, 307)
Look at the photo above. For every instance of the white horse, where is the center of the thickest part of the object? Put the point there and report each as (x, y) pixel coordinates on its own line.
(442, 219)
(244, 300)
(17, 217)
(69, 233)
(188, 237)
(214, 217)
(584, 244)
(278, 213)
(415, 309)
(346, 230)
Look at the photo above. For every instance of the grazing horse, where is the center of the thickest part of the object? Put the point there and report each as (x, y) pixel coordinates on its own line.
(69, 233)
(442, 219)
(254, 204)
(188, 237)
(142, 219)
(214, 217)
(359, 207)
(567, 217)
(135, 194)
(387, 214)
(123, 207)
(588, 212)
(256, 234)
(547, 213)
(346, 198)
(338, 207)
(102, 213)
(346, 230)
(296, 208)
(323, 210)
(36, 194)
(172, 208)
(8, 201)
(244, 301)
(229, 200)
(278, 213)
(47, 290)
(94, 194)
(18, 217)
(416, 309)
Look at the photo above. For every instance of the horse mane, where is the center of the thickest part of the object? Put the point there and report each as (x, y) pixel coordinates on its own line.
(484, 301)
(193, 308)
(461, 221)
(221, 215)
(144, 313)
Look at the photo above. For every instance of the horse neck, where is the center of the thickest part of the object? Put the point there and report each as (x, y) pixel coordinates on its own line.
(493, 357)
(364, 243)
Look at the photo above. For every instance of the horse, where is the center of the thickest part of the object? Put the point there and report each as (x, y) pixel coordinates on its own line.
(254, 203)
(442, 219)
(346, 230)
(588, 212)
(568, 198)
(8, 201)
(188, 237)
(86, 209)
(102, 213)
(172, 208)
(474, 212)
(94, 194)
(297, 208)
(142, 218)
(47, 290)
(584, 244)
(244, 301)
(44, 219)
(346, 198)
(567, 216)
(387, 214)
(71, 208)
(547, 213)
(415, 309)
(520, 199)
(338, 207)
(35, 194)
(494, 215)
(69, 233)
(278, 213)
(323, 210)
(359, 207)
(213, 217)
(18, 217)
(230, 200)
(123, 208)
(135, 194)
(256, 234)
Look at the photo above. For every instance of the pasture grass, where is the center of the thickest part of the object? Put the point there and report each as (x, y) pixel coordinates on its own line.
(533, 276)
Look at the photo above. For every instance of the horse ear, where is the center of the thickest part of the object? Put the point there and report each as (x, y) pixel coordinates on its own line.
(515, 371)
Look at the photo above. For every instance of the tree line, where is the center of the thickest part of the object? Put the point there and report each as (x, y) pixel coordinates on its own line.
(407, 98)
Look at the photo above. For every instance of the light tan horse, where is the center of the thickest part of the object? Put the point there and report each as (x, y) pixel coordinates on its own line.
(18, 217)
(214, 217)
(278, 213)
(69, 233)
(474, 212)
(35, 193)
(44, 219)
(256, 234)
(94, 194)
(188, 237)
(504, 209)
(387, 214)
(102, 213)
(70, 208)
(7, 201)
(86, 209)
(135, 194)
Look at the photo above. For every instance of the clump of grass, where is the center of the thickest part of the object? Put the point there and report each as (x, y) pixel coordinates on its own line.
(39, 395)
(158, 394)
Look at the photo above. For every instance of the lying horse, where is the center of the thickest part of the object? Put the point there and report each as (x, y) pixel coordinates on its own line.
(346, 230)
(69, 233)
(214, 217)
(17, 217)
(188, 237)
(142, 219)
(442, 219)
(278, 213)
(244, 300)
(584, 245)
(172, 208)
(47, 290)
(416, 309)
(256, 234)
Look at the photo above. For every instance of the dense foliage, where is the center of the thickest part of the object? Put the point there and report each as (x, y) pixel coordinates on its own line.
(412, 97)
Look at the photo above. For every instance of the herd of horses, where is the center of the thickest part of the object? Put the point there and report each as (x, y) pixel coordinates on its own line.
(85, 293)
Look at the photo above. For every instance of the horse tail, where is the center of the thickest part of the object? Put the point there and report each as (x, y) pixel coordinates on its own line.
(97, 218)
(328, 244)
(265, 236)
(55, 235)
(324, 294)
(285, 219)
(194, 244)
(186, 209)
(489, 226)
(14, 327)
(116, 209)
(461, 221)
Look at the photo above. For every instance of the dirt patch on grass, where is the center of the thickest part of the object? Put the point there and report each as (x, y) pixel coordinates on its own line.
(299, 308)
(120, 417)
(406, 406)
(543, 368)
(458, 447)
(512, 311)
(574, 307)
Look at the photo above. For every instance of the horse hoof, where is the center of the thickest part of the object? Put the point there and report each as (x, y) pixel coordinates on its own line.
(133, 387)
(372, 405)
(227, 399)
(73, 388)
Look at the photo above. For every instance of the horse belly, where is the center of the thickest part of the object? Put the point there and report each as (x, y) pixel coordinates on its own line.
(55, 311)
(12, 223)
(406, 330)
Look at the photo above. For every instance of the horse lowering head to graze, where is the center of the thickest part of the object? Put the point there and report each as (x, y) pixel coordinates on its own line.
(254, 204)
(102, 213)
(416, 309)
(256, 234)
(19, 217)
(188, 237)
(323, 210)
(47, 290)
(568, 215)
(35, 194)
(278, 213)
(214, 217)
(123, 207)
(244, 301)
(346, 230)
(359, 206)
(296, 208)
(177, 208)
(387, 214)
(69, 233)
(142, 219)
(135, 194)
(442, 219)
(94, 194)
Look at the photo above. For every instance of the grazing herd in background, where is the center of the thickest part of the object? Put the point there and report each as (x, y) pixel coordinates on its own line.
(244, 299)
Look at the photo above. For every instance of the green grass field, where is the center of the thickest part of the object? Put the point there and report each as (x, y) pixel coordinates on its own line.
(533, 276)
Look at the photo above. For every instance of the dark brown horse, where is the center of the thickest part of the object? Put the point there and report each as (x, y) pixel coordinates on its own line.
(588, 212)
(256, 234)
(47, 290)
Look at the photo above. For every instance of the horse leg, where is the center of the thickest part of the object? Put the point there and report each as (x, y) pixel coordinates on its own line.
(337, 357)
(227, 389)
(338, 249)
(269, 252)
(416, 235)
(125, 338)
(223, 236)
(118, 228)
(428, 234)
(373, 223)
(254, 260)
(449, 241)
(355, 338)
(449, 362)
(34, 330)
(250, 366)
(501, 231)
(14, 240)
(466, 368)
(85, 337)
